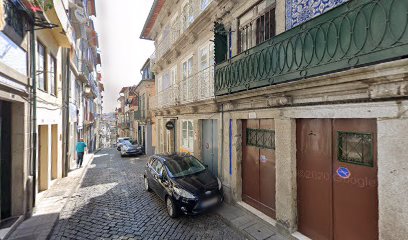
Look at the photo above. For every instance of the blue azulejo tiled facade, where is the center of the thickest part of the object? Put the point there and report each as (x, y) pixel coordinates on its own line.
(300, 11)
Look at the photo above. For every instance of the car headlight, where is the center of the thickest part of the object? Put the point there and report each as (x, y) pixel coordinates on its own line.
(183, 193)
(139, 148)
(125, 148)
(219, 184)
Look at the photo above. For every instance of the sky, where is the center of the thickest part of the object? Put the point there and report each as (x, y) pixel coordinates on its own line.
(119, 24)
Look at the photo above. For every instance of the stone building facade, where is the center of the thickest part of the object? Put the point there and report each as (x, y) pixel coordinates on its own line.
(310, 99)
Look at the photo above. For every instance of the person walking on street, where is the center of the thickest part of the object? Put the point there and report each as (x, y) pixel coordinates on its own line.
(80, 148)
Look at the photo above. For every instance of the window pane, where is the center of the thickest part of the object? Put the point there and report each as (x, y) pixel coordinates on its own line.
(203, 58)
(52, 75)
(41, 67)
(190, 66)
(191, 139)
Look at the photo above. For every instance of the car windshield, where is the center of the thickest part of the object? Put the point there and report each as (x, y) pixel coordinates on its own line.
(180, 166)
(127, 143)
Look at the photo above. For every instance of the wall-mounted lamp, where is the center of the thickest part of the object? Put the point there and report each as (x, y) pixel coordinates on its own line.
(87, 89)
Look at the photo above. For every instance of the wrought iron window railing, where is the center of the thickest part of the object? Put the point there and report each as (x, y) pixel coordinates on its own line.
(181, 24)
(197, 87)
(355, 34)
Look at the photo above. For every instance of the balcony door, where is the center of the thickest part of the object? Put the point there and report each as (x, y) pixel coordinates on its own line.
(203, 72)
(206, 62)
(186, 90)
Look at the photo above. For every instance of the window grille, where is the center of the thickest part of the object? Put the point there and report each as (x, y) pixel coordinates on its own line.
(260, 138)
(355, 148)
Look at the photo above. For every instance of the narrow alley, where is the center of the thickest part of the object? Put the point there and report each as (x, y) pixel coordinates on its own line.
(111, 203)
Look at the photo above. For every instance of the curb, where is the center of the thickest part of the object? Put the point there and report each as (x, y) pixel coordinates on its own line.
(74, 189)
(230, 224)
(14, 227)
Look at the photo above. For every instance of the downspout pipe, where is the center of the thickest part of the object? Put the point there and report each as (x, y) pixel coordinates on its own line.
(34, 110)
(222, 141)
(65, 113)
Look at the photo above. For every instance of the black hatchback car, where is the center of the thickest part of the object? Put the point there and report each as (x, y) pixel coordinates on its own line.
(183, 182)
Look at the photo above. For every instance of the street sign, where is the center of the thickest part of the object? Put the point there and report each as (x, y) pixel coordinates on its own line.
(169, 125)
(343, 172)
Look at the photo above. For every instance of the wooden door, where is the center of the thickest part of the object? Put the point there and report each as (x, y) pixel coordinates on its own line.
(355, 199)
(313, 177)
(337, 178)
(258, 165)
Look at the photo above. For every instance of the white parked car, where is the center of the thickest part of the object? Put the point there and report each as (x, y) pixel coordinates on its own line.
(120, 142)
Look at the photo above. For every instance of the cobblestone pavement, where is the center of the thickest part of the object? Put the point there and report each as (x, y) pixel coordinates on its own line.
(112, 204)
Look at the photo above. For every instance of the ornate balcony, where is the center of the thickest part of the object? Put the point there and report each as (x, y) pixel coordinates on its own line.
(198, 87)
(188, 16)
(355, 34)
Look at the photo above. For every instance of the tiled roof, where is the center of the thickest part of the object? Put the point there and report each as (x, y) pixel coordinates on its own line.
(151, 19)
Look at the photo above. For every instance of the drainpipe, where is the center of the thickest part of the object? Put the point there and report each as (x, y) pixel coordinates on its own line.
(34, 116)
(222, 141)
(65, 112)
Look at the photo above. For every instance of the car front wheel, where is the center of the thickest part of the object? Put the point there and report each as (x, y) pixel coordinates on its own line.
(146, 184)
(171, 208)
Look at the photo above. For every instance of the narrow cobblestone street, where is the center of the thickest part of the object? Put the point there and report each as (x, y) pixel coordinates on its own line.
(112, 204)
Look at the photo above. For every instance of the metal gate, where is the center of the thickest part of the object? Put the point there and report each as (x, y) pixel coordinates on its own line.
(5, 160)
(210, 145)
(337, 178)
(258, 165)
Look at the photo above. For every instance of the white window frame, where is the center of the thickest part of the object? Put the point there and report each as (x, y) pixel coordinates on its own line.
(204, 4)
(186, 78)
(186, 21)
(187, 135)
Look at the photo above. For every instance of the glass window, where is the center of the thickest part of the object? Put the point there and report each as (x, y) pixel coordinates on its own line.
(204, 58)
(180, 166)
(166, 80)
(188, 16)
(188, 135)
(355, 148)
(41, 63)
(52, 66)
(204, 4)
(255, 29)
(157, 166)
(187, 68)
(174, 76)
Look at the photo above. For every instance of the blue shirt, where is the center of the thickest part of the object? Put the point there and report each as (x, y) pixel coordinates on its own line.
(80, 147)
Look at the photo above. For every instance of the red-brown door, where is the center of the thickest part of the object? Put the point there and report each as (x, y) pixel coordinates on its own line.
(337, 178)
(355, 199)
(258, 165)
(313, 177)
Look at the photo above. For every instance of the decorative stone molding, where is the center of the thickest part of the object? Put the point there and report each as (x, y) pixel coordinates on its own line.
(273, 101)
(229, 106)
(389, 90)
(192, 38)
(175, 111)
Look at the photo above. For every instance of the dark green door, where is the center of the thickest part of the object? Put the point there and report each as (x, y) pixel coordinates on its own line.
(5, 159)
(210, 145)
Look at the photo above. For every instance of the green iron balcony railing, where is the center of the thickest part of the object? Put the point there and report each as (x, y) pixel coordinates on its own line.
(355, 34)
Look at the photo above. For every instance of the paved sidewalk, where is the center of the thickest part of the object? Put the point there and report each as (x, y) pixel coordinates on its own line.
(250, 225)
(49, 205)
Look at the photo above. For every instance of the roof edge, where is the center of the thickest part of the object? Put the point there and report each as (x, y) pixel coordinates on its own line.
(144, 34)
